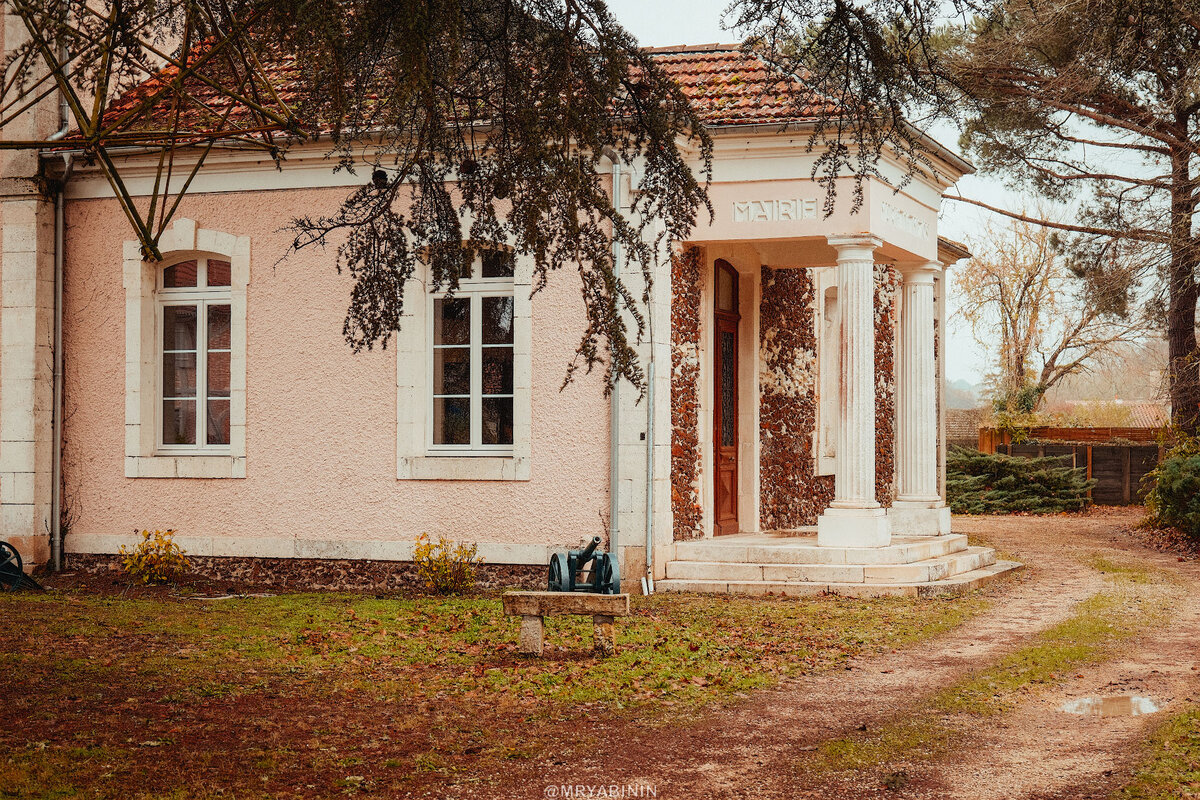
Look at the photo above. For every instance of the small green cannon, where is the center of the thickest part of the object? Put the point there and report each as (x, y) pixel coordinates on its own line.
(12, 570)
(587, 570)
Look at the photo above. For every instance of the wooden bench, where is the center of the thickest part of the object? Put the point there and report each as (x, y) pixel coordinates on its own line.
(533, 607)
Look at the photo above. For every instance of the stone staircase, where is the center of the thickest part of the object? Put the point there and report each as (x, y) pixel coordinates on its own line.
(790, 563)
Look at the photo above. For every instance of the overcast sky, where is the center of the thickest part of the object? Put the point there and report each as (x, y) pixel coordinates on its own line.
(660, 23)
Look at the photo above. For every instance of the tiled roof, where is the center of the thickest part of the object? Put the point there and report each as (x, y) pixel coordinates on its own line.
(964, 423)
(727, 86)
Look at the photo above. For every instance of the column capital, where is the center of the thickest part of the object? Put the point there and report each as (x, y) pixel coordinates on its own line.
(853, 246)
(920, 271)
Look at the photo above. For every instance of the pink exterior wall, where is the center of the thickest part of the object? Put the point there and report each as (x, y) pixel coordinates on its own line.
(321, 421)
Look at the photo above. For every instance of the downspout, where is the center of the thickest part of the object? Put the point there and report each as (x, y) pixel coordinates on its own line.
(56, 543)
(648, 579)
(614, 403)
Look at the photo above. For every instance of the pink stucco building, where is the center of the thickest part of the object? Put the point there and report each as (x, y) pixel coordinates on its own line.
(791, 440)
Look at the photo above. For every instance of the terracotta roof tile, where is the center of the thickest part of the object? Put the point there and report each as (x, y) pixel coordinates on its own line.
(727, 86)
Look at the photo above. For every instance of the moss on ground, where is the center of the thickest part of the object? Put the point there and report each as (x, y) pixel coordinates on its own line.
(1097, 630)
(1171, 768)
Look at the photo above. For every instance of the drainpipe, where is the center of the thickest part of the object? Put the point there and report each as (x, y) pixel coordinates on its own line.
(56, 543)
(648, 580)
(614, 403)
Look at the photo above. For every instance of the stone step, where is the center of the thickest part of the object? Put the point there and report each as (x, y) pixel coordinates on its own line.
(928, 570)
(804, 550)
(957, 584)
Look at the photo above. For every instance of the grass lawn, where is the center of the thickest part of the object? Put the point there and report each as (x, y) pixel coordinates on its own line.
(318, 695)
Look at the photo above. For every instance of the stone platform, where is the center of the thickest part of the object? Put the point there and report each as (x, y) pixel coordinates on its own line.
(791, 563)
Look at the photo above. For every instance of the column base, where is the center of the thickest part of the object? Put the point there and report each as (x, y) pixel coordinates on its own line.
(853, 527)
(916, 518)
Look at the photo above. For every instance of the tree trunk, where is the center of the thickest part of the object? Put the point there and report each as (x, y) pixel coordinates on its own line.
(1183, 360)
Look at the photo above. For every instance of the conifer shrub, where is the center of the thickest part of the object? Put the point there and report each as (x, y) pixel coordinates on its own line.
(1174, 497)
(983, 483)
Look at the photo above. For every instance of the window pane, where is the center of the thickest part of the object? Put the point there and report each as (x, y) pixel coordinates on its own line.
(497, 370)
(218, 327)
(497, 320)
(497, 263)
(218, 273)
(180, 276)
(179, 328)
(218, 374)
(497, 420)
(451, 420)
(726, 290)
(218, 422)
(179, 422)
(179, 375)
(452, 321)
(452, 370)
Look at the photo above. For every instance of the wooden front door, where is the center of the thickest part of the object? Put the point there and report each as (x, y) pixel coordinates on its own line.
(725, 408)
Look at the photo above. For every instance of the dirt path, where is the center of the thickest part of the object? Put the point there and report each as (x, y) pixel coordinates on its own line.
(752, 750)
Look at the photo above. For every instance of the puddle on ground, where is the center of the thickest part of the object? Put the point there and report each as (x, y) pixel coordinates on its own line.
(1124, 705)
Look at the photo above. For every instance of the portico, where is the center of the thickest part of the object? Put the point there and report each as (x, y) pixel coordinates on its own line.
(848, 340)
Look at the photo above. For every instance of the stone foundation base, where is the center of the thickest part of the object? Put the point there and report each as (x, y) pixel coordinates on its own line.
(309, 574)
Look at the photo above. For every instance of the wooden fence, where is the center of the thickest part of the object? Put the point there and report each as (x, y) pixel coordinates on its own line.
(1117, 468)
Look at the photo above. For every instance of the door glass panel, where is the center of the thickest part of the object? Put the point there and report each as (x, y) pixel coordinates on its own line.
(179, 422)
(726, 289)
(728, 436)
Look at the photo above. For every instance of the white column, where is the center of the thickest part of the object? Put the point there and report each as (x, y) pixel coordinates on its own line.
(918, 508)
(855, 519)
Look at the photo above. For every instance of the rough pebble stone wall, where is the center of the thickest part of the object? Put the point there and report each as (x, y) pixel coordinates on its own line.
(685, 395)
(790, 494)
(887, 285)
(335, 575)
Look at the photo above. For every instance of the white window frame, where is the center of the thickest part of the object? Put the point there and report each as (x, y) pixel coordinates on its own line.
(200, 299)
(475, 291)
(145, 454)
(418, 458)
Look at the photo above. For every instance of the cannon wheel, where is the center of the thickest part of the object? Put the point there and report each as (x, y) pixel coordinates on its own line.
(11, 568)
(556, 574)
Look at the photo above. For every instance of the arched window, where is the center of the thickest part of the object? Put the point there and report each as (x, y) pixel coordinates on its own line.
(472, 341)
(195, 318)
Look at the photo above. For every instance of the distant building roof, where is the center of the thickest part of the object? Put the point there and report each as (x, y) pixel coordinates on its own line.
(964, 423)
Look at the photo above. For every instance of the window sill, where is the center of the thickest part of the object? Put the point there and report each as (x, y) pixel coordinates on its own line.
(182, 466)
(463, 468)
